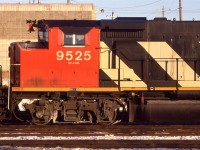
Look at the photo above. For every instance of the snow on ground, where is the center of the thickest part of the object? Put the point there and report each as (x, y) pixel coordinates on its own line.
(106, 137)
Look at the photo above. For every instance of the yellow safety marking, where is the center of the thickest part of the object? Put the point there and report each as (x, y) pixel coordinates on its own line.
(102, 89)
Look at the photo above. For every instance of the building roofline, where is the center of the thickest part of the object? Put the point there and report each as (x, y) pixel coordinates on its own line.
(47, 7)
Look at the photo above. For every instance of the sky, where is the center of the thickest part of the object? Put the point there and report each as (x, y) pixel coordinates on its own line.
(135, 8)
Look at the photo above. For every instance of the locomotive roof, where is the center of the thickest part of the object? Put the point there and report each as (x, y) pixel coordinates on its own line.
(128, 23)
(118, 23)
(65, 23)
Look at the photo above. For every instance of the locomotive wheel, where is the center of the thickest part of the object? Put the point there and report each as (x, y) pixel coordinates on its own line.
(107, 117)
(37, 113)
(39, 118)
(112, 115)
(21, 116)
(41, 115)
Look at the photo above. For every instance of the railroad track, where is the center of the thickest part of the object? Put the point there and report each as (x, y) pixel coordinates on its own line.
(101, 136)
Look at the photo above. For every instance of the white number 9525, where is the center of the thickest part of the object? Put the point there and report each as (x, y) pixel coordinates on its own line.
(76, 55)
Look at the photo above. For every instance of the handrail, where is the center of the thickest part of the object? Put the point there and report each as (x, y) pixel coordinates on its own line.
(1, 75)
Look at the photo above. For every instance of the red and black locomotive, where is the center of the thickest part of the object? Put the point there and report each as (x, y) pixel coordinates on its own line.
(93, 71)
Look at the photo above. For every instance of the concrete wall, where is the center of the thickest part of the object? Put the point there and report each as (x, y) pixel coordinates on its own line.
(13, 25)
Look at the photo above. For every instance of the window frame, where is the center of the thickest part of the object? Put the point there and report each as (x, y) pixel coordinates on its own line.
(74, 40)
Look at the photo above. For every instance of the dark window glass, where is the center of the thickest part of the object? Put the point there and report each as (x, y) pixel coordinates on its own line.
(80, 40)
(43, 36)
(74, 39)
(68, 40)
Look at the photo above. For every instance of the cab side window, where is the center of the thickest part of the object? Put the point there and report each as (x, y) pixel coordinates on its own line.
(43, 35)
(74, 39)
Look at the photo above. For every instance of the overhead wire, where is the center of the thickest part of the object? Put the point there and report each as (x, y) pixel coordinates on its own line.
(132, 7)
(127, 9)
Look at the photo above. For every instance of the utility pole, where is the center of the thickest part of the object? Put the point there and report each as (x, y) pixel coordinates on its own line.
(109, 16)
(112, 15)
(180, 10)
(163, 12)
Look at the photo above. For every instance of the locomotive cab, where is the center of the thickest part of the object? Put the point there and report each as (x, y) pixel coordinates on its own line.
(64, 56)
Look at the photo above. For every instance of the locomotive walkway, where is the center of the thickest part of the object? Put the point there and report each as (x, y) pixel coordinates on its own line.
(100, 136)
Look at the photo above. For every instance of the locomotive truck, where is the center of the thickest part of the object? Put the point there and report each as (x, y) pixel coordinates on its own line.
(94, 71)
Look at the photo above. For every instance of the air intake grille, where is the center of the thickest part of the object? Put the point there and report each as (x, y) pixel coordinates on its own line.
(122, 34)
